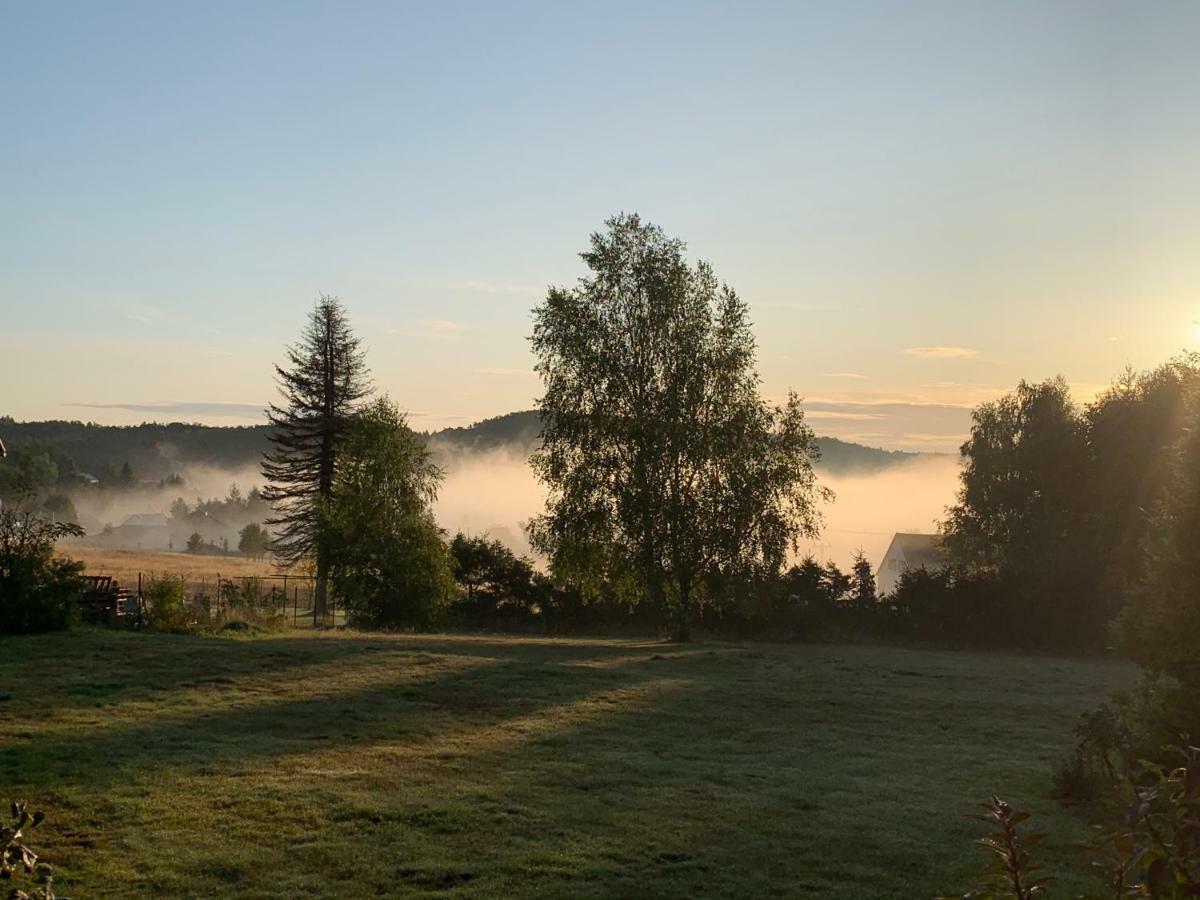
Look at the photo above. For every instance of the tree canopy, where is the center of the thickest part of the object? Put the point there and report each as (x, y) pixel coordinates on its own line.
(664, 464)
(388, 562)
(1057, 503)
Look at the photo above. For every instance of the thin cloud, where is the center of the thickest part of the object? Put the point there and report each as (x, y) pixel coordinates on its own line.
(898, 425)
(184, 408)
(854, 375)
(940, 352)
(433, 329)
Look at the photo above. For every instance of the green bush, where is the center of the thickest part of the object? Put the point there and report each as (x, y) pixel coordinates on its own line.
(38, 590)
(165, 607)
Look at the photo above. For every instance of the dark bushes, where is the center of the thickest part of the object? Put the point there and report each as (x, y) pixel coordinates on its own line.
(38, 590)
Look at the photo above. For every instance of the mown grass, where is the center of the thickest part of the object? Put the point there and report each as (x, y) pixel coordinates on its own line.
(337, 765)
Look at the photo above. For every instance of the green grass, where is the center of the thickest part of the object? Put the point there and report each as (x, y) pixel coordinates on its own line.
(326, 765)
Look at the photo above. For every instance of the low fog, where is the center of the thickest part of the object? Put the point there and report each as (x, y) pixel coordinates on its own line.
(100, 510)
(495, 493)
(870, 508)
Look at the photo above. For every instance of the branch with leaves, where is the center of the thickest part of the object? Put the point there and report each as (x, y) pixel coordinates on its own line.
(17, 858)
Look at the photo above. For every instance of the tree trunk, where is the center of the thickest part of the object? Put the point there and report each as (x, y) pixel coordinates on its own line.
(683, 616)
(321, 590)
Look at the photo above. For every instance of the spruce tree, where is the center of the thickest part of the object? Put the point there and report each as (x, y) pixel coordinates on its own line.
(322, 383)
(862, 576)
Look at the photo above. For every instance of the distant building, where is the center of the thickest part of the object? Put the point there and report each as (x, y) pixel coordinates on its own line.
(140, 531)
(909, 551)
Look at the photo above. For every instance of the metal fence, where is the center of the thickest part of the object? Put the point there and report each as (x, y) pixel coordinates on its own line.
(288, 599)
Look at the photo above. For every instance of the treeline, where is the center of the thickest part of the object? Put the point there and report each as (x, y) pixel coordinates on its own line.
(1063, 520)
(122, 455)
(810, 601)
(153, 451)
(1054, 529)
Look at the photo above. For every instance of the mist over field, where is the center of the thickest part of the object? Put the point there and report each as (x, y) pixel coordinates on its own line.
(868, 509)
(200, 482)
(496, 492)
(493, 492)
(98, 509)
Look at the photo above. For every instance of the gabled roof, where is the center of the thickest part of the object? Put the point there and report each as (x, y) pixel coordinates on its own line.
(146, 520)
(919, 550)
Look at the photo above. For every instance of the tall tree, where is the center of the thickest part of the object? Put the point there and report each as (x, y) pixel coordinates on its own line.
(322, 384)
(663, 463)
(1025, 468)
(1132, 429)
(1161, 624)
(1021, 514)
(387, 558)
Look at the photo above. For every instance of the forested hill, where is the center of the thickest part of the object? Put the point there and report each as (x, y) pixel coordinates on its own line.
(154, 451)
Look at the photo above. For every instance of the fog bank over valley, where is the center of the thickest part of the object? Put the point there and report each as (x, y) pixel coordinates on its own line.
(488, 487)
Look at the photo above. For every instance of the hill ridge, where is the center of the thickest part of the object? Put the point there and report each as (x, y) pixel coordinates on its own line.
(155, 450)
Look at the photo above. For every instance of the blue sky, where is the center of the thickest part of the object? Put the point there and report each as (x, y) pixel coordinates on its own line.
(921, 202)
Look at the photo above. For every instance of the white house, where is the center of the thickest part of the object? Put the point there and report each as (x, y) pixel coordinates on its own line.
(908, 551)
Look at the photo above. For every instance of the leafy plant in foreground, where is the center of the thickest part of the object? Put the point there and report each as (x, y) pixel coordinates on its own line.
(17, 858)
(1011, 873)
(1152, 849)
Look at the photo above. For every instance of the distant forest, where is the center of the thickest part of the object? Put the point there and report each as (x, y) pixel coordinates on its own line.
(155, 451)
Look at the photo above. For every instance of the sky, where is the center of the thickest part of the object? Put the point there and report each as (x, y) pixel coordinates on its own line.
(922, 203)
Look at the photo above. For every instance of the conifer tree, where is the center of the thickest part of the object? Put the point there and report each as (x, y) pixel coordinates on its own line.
(322, 383)
(863, 589)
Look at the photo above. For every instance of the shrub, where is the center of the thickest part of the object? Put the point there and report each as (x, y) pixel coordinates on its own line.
(38, 590)
(165, 607)
(1151, 847)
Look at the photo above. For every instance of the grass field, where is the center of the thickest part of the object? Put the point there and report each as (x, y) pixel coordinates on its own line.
(336, 765)
(124, 565)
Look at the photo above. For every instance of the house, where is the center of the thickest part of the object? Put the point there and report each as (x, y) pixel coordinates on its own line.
(140, 531)
(909, 551)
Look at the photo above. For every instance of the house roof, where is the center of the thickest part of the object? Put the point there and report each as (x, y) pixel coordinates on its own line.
(919, 549)
(146, 520)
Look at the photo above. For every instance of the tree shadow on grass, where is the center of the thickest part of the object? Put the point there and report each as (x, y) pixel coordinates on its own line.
(77, 669)
(400, 702)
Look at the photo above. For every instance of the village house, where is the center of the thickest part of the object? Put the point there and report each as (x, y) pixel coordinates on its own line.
(909, 551)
